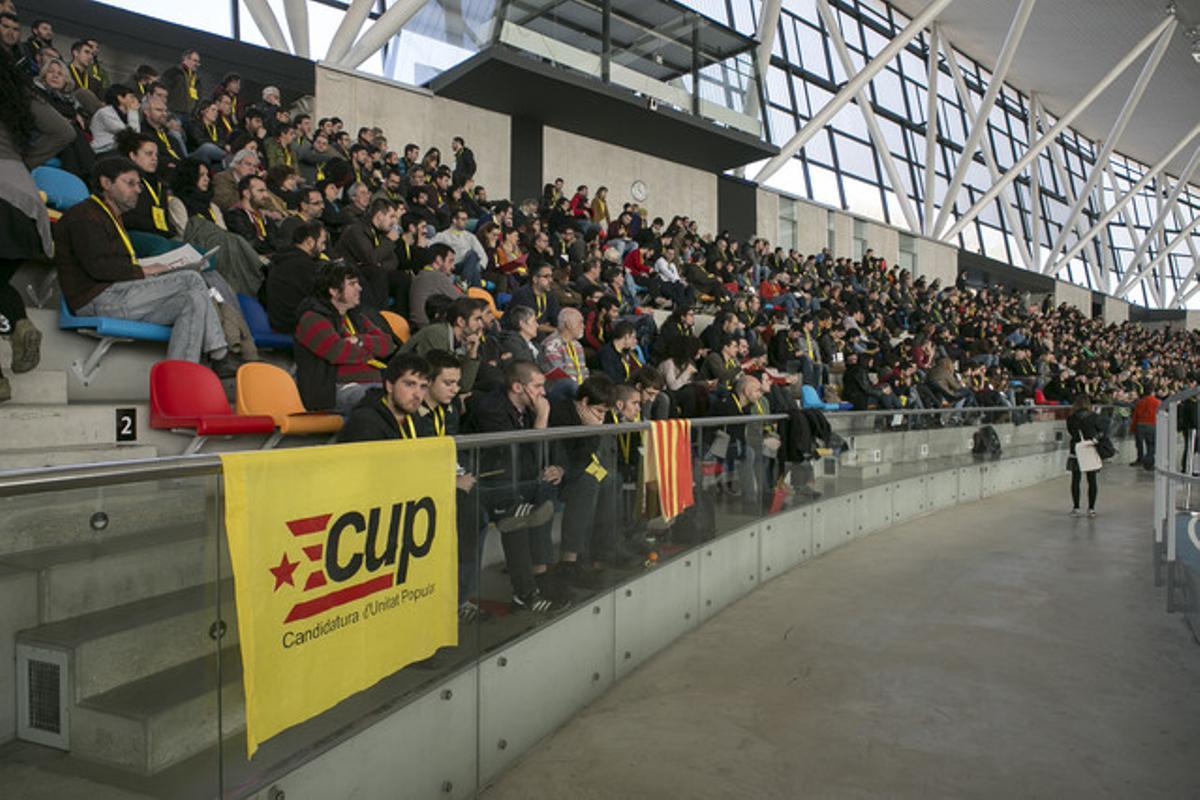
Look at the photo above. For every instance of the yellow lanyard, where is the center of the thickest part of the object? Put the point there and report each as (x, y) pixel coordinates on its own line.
(320, 172)
(262, 227)
(730, 363)
(233, 105)
(737, 403)
(212, 131)
(439, 419)
(225, 122)
(575, 361)
(153, 194)
(349, 325)
(630, 358)
(288, 158)
(539, 300)
(120, 229)
(375, 235)
(407, 429)
(162, 136)
(808, 344)
(83, 82)
(191, 82)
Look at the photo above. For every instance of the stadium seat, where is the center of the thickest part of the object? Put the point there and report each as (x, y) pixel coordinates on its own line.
(398, 324)
(109, 330)
(267, 390)
(484, 294)
(62, 189)
(189, 398)
(260, 328)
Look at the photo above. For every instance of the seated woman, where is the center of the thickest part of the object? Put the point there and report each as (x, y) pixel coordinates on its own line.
(119, 113)
(54, 86)
(206, 134)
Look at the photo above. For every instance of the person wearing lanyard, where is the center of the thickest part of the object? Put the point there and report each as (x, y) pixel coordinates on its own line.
(741, 461)
(278, 146)
(562, 356)
(154, 119)
(247, 218)
(618, 357)
(440, 416)
(537, 295)
(183, 84)
(390, 411)
(370, 245)
(101, 277)
(150, 213)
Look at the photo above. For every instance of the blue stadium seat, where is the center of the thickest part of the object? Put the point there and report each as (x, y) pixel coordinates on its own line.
(260, 328)
(109, 331)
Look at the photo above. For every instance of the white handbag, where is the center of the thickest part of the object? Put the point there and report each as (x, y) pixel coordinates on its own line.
(1087, 456)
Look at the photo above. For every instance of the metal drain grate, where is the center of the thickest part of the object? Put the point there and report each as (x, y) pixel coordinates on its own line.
(43, 686)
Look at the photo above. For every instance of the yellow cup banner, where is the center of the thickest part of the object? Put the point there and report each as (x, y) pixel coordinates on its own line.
(345, 568)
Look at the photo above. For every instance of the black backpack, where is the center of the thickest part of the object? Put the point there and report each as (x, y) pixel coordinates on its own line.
(986, 442)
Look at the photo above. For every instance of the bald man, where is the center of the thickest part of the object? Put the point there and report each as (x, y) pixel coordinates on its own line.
(562, 356)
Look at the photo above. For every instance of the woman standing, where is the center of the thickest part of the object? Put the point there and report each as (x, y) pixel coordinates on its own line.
(1084, 428)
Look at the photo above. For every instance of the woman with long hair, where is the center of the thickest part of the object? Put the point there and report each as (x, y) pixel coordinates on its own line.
(119, 112)
(1084, 428)
(30, 133)
(206, 134)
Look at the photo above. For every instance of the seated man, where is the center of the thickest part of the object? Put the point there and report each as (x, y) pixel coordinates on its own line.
(590, 484)
(441, 415)
(721, 367)
(392, 410)
(459, 333)
(469, 255)
(225, 183)
(338, 350)
(742, 458)
(537, 295)
(100, 276)
(434, 279)
(292, 275)
(562, 356)
(618, 357)
(250, 218)
(370, 245)
(519, 501)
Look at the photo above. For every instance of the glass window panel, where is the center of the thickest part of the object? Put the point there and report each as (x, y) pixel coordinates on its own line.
(818, 149)
(201, 16)
(888, 91)
(850, 120)
(777, 87)
(824, 187)
(783, 124)
(789, 178)
(863, 198)
(855, 158)
(812, 50)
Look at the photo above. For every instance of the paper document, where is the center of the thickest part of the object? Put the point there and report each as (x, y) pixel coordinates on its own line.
(185, 257)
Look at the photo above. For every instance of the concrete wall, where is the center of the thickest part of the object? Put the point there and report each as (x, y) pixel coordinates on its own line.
(1193, 320)
(843, 234)
(1071, 294)
(767, 206)
(937, 261)
(414, 115)
(812, 227)
(671, 188)
(1115, 311)
(884, 241)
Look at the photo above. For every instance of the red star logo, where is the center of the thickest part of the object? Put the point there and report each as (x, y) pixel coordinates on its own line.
(283, 573)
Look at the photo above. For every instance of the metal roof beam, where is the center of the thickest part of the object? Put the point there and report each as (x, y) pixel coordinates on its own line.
(384, 28)
(1161, 217)
(931, 126)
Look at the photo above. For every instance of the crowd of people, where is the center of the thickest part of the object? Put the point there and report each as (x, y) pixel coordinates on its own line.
(523, 315)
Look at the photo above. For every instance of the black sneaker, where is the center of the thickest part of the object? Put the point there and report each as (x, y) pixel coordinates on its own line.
(227, 367)
(579, 575)
(535, 602)
(526, 515)
(553, 585)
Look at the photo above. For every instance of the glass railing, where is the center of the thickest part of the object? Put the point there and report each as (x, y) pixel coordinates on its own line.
(1176, 528)
(119, 595)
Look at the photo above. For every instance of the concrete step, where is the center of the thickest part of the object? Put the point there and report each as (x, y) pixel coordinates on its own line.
(30, 458)
(40, 387)
(151, 724)
(78, 579)
(125, 643)
(866, 471)
(29, 426)
(88, 516)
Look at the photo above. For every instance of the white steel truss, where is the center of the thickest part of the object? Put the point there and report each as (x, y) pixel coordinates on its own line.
(1114, 135)
(864, 105)
(851, 88)
(1161, 217)
(265, 19)
(1063, 122)
(931, 128)
(977, 119)
(1008, 51)
(347, 29)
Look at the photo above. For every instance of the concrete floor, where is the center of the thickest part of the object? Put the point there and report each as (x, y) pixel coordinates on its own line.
(997, 650)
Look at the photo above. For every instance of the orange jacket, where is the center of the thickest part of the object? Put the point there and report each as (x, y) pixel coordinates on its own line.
(1144, 412)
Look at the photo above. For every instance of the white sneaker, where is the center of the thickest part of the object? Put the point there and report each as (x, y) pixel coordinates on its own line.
(1092, 513)
(1075, 512)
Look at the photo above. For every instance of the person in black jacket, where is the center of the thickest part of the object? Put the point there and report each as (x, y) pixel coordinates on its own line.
(150, 214)
(464, 161)
(618, 356)
(1083, 426)
(589, 484)
(514, 489)
(293, 274)
(390, 411)
(370, 245)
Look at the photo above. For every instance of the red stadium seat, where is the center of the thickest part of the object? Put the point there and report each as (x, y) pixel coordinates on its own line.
(187, 397)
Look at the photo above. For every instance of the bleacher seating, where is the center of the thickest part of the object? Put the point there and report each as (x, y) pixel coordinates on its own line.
(187, 397)
(398, 324)
(267, 390)
(260, 328)
(109, 331)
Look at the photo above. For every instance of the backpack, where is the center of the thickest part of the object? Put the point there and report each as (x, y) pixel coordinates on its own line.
(1104, 447)
(986, 442)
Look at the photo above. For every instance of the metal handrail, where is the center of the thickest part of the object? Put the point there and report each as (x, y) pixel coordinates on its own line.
(109, 473)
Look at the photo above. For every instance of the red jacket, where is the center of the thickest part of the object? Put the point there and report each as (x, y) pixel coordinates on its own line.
(1144, 412)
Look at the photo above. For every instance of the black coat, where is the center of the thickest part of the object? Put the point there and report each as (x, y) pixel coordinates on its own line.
(370, 421)
(290, 280)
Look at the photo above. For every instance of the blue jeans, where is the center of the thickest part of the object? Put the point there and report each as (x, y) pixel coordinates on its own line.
(469, 269)
(1144, 440)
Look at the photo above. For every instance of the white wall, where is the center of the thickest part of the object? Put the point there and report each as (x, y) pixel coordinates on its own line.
(1193, 320)
(671, 188)
(884, 241)
(1115, 311)
(812, 227)
(843, 234)
(936, 260)
(767, 205)
(1077, 296)
(408, 115)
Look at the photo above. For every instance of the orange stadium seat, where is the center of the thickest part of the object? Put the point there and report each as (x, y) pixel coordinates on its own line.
(266, 390)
